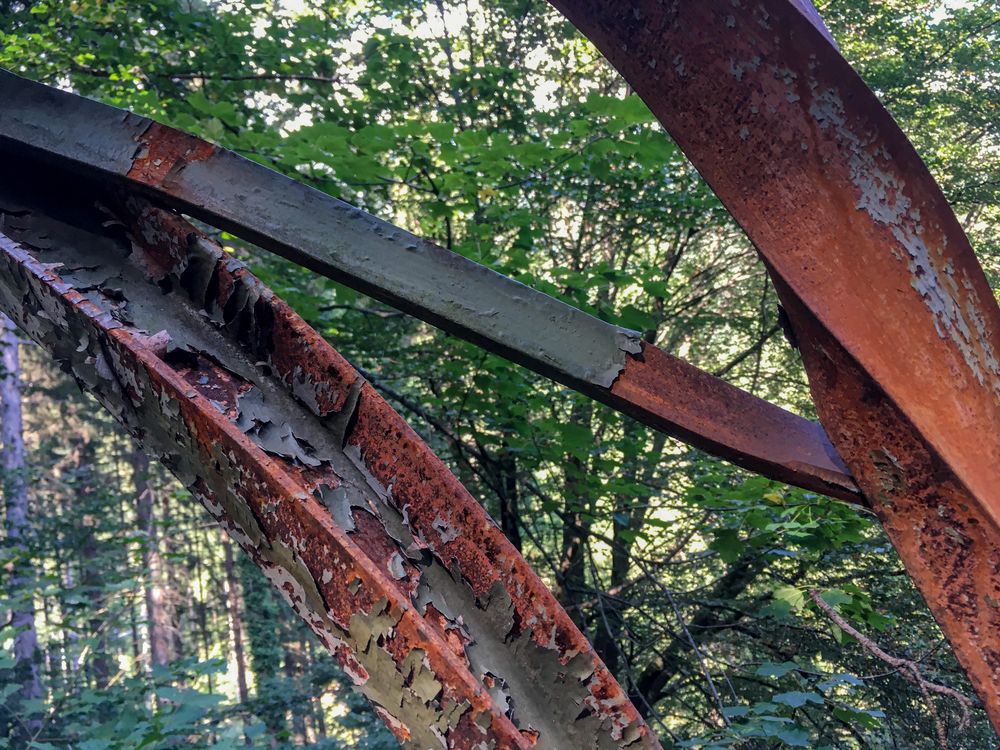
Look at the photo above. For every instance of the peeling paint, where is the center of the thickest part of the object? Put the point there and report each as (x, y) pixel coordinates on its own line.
(338, 240)
(882, 195)
(191, 353)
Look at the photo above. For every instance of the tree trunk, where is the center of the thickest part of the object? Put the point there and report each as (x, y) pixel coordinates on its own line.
(264, 631)
(159, 625)
(174, 577)
(510, 513)
(16, 499)
(627, 520)
(235, 620)
(571, 578)
(577, 518)
(293, 677)
(92, 580)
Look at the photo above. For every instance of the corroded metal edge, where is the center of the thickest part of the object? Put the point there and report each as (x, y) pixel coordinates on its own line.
(947, 542)
(725, 421)
(604, 361)
(374, 543)
(869, 256)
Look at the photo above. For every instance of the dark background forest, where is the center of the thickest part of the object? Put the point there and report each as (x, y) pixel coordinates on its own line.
(128, 620)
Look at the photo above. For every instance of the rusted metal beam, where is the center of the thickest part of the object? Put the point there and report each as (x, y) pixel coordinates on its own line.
(898, 327)
(608, 363)
(397, 569)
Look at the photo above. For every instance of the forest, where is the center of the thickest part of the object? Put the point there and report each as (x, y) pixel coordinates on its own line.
(736, 612)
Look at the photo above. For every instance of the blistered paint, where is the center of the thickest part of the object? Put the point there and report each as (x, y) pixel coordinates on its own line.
(882, 195)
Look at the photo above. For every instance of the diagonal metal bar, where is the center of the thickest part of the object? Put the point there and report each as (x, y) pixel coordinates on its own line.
(899, 330)
(398, 570)
(608, 363)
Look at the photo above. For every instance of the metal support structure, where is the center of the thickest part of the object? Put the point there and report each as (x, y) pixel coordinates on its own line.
(374, 542)
(608, 363)
(898, 327)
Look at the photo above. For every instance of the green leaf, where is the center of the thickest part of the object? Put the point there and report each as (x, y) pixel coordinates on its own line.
(836, 597)
(770, 669)
(636, 319)
(728, 544)
(797, 699)
(868, 718)
(794, 737)
(794, 598)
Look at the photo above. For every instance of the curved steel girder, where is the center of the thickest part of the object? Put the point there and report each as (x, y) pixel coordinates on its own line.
(398, 570)
(606, 362)
(900, 332)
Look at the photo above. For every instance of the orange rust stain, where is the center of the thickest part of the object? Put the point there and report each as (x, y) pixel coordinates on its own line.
(215, 383)
(162, 150)
(451, 634)
(946, 540)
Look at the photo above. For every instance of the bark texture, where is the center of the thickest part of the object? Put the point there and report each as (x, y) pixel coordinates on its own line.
(15, 491)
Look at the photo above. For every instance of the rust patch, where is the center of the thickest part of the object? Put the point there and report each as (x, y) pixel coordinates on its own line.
(753, 433)
(949, 545)
(162, 151)
(392, 563)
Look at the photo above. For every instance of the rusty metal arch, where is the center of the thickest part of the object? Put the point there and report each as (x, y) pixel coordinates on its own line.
(867, 257)
(609, 363)
(899, 329)
(374, 543)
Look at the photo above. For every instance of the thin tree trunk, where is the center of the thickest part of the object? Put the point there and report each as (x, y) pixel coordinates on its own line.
(293, 675)
(510, 512)
(263, 632)
(174, 580)
(158, 617)
(16, 499)
(235, 620)
(318, 711)
(91, 565)
(577, 519)
(628, 519)
(571, 578)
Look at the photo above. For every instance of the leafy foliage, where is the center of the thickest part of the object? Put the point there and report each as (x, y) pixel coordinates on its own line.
(494, 129)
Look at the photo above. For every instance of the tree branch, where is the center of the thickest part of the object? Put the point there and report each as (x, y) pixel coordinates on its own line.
(909, 669)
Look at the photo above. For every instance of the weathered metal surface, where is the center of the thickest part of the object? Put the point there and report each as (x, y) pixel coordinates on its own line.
(721, 419)
(604, 361)
(398, 570)
(899, 328)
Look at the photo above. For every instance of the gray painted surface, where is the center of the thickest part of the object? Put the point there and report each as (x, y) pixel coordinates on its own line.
(68, 126)
(328, 236)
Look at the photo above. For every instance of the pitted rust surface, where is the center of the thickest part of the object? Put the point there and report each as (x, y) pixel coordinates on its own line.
(946, 540)
(396, 568)
(419, 277)
(899, 328)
